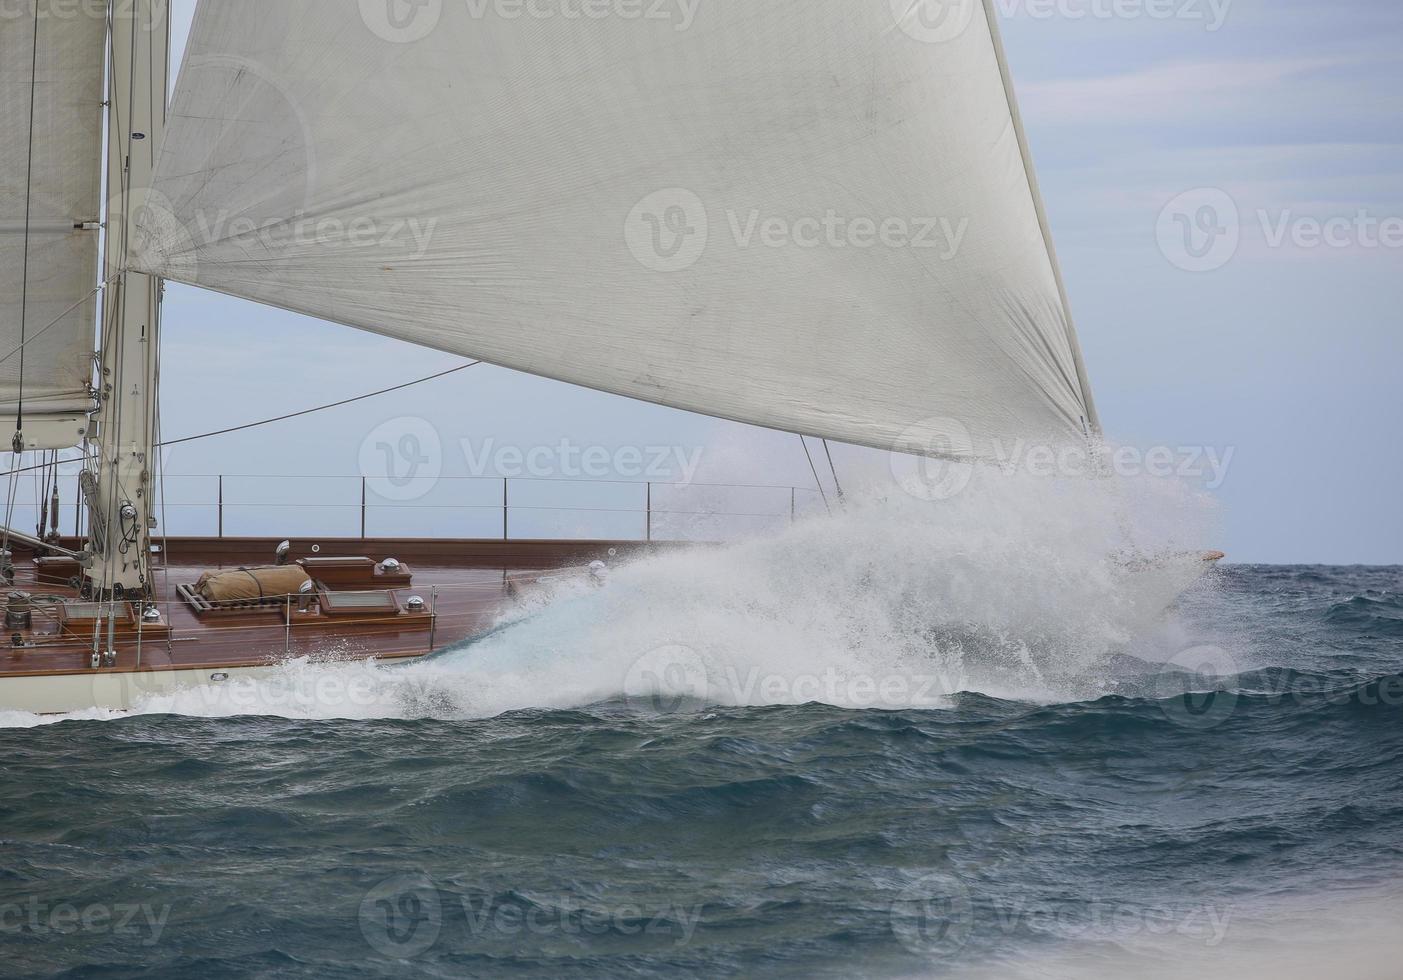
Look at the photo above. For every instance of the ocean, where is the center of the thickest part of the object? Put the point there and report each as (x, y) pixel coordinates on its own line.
(862, 767)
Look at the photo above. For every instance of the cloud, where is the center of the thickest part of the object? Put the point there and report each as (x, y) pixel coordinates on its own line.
(1178, 90)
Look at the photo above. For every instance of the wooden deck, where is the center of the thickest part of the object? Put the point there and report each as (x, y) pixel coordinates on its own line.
(465, 585)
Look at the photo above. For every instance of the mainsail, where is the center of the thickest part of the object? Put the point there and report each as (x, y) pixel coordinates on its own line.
(812, 215)
(50, 206)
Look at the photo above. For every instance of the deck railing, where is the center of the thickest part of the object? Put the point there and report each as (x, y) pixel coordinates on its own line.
(512, 508)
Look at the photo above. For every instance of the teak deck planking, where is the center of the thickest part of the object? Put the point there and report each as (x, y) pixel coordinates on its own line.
(467, 584)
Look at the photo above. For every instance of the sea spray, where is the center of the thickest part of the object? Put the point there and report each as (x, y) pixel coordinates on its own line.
(1018, 586)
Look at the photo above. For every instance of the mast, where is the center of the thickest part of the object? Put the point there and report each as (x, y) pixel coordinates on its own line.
(120, 500)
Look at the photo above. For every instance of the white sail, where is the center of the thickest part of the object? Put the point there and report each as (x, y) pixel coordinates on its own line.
(813, 215)
(50, 206)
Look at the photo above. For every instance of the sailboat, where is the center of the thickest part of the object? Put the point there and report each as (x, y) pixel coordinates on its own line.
(731, 208)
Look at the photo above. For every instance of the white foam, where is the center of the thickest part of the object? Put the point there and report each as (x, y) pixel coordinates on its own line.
(1350, 935)
(1006, 588)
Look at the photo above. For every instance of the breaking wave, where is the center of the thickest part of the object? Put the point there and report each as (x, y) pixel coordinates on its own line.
(1021, 588)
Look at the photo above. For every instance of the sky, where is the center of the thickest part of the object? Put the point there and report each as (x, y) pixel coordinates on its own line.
(1220, 177)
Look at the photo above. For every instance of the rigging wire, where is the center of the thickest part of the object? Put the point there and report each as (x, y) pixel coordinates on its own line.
(833, 469)
(28, 213)
(18, 442)
(160, 465)
(320, 408)
(89, 295)
(817, 482)
(293, 415)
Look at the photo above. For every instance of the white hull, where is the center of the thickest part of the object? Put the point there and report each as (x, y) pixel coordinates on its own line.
(1154, 584)
(47, 694)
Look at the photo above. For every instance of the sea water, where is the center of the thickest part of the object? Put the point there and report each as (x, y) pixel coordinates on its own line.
(914, 739)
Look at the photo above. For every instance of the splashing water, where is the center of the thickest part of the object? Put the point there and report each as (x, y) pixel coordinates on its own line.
(1015, 587)
(1141, 833)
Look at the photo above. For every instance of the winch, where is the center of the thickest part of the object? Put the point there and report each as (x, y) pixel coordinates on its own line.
(19, 613)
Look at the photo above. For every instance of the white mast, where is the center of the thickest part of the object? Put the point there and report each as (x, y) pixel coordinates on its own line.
(121, 505)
